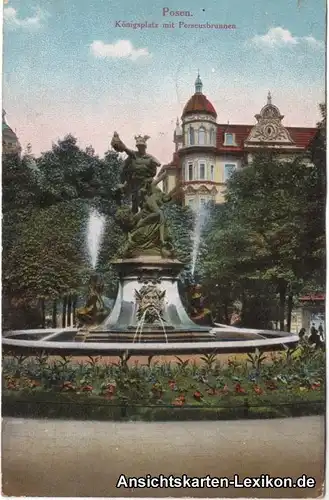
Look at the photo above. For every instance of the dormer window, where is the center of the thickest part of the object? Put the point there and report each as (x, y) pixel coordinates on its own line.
(229, 140)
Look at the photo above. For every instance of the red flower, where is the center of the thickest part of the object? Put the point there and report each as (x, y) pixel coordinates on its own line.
(181, 398)
(271, 385)
(172, 384)
(315, 386)
(68, 386)
(197, 395)
(239, 389)
(178, 402)
(110, 388)
(12, 385)
(87, 388)
(212, 391)
(258, 390)
(108, 394)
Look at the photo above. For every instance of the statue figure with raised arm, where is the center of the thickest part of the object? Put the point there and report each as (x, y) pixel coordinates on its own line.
(139, 168)
(148, 232)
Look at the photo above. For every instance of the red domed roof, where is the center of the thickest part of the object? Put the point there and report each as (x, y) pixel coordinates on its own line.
(199, 103)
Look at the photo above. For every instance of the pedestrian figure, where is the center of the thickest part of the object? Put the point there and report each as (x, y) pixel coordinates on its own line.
(314, 338)
(301, 334)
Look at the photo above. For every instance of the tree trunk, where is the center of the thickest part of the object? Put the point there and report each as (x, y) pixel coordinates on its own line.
(43, 313)
(64, 312)
(243, 308)
(74, 307)
(282, 292)
(54, 315)
(69, 309)
(226, 315)
(289, 312)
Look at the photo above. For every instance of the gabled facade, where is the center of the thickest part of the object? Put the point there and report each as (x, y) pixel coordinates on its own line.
(207, 153)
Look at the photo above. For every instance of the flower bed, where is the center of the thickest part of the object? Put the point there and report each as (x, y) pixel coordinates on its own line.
(288, 384)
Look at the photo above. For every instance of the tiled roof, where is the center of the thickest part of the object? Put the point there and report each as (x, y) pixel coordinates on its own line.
(199, 103)
(241, 133)
(301, 136)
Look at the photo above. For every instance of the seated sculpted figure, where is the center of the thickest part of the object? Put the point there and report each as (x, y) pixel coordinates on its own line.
(94, 310)
(149, 235)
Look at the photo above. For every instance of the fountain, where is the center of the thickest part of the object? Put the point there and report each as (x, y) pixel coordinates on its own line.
(95, 231)
(199, 224)
(148, 316)
(94, 310)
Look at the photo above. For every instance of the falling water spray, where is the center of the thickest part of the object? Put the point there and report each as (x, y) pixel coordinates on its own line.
(199, 223)
(95, 231)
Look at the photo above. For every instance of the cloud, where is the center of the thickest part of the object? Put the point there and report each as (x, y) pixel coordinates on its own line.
(122, 49)
(12, 20)
(312, 42)
(280, 37)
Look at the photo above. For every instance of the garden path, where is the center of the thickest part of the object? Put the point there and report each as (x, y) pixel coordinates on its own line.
(71, 458)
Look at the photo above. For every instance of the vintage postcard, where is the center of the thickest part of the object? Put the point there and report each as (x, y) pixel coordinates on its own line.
(164, 248)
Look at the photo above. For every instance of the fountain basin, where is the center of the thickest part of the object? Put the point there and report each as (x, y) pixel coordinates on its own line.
(221, 344)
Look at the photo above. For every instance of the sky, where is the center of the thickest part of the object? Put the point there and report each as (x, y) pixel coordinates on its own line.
(70, 66)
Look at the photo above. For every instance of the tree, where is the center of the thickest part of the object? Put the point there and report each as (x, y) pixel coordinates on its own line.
(269, 198)
(20, 187)
(316, 202)
(264, 230)
(46, 209)
(48, 259)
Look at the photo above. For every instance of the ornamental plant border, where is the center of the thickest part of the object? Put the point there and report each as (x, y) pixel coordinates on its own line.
(289, 384)
(63, 408)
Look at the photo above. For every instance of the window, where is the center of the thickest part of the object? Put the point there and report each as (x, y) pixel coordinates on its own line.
(203, 202)
(202, 171)
(212, 172)
(190, 172)
(202, 136)
(228, 170)
(191, 135)
(212, 137)
(229, 140)
(190, 202)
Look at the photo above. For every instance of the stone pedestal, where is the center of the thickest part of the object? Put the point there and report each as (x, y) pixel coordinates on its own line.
(148, 307)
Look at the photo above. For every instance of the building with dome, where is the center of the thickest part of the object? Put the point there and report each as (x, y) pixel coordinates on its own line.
(206, 152)
(10, 142)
